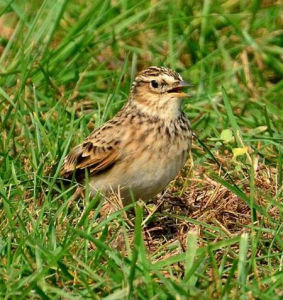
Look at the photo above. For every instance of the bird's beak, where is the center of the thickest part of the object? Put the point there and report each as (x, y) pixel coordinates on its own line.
(185, 83)
(177, 90)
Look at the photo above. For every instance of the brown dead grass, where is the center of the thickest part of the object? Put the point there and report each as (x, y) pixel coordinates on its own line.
(193, 202)
(209, 202)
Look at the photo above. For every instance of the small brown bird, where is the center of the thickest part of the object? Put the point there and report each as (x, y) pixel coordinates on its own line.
(143, 147)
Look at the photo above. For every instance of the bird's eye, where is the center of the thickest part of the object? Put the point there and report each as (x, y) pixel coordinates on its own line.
(154, 84)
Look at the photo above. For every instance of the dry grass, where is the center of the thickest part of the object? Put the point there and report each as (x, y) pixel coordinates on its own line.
(65, 68)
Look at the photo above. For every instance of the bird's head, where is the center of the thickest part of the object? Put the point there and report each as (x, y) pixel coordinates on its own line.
(158, 91)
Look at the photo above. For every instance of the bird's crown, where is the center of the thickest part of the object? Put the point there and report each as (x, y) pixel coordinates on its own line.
(154, 71)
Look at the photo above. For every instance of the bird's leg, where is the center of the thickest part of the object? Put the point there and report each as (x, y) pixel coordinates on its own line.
(163, 193)
(79, 193)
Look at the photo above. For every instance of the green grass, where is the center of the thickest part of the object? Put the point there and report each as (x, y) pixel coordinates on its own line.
(65, 68)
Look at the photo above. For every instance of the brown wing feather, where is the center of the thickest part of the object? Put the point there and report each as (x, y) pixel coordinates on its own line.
(95, 158)
(98, 152)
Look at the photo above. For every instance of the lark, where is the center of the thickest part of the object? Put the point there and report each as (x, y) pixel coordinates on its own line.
(143, 147)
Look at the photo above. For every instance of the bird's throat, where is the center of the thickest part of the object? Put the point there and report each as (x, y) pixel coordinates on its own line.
(166, 110)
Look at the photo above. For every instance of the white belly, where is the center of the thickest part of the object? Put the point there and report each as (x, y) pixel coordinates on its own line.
(145, 176)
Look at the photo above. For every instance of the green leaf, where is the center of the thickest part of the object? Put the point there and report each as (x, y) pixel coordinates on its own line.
(227, 136)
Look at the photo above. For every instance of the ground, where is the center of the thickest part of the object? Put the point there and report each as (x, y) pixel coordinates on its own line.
(216, 232)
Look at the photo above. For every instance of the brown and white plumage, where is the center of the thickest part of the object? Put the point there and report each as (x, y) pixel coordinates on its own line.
(143, 147)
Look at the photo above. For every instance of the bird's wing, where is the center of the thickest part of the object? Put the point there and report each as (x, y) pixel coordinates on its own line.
(96, 154)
